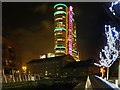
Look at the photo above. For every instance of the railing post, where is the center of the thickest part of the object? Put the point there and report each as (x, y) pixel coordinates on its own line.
(20, 77)
(5, 78)
(107, 73)
(119, 73)
(13, 78)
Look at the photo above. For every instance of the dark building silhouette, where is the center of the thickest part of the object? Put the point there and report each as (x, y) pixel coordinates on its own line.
(51, 67)
(9, 58)
(62, 67)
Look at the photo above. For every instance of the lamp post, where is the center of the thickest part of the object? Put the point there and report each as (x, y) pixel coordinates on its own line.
(24, 68)
(102, 71)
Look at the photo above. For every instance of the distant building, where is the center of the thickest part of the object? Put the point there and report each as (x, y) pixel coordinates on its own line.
(81, 68)
(8, 57)
(65, 31)
(62, 66)
(49, 66)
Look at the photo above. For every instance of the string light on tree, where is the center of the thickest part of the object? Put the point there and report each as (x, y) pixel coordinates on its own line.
(110, 53)
(112, 5)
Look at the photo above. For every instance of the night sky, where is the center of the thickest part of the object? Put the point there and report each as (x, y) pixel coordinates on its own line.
(31, 27)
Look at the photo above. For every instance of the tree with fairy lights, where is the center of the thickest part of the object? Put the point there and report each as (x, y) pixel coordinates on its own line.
(110, 52)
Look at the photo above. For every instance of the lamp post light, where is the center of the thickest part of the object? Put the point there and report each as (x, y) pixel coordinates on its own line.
(24, 68)
(102, 71)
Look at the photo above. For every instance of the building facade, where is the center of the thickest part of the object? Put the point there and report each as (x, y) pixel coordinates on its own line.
(61, 67)
(8, 57)
(49, 67)
(65, 31)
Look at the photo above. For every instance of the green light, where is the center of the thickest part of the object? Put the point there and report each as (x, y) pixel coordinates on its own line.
(57, 29)
(59, 5)
(58, 12)
(59, 47)
(74, 51)
(74, 35)
(73, 13)
(73, 19)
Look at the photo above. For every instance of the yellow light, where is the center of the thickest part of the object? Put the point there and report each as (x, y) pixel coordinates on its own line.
(102, 70)
(24, 68)
(59, 8)
(58, 19)
(59, 12)
(18, 71)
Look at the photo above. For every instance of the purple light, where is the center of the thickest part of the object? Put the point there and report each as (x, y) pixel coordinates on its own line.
(70, 29)
(71, 8)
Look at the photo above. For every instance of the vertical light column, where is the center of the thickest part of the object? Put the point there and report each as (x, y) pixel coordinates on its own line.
(70, 29)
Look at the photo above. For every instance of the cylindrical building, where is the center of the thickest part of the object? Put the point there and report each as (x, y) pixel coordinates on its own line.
(61, 28)
(65, 31)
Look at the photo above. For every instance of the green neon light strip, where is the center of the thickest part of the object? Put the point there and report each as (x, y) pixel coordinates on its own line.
(73, 13)
(73, 19)
(58, 12)
(57, 29)
(74, 51)
(73, 35)
(59, 5)
(59, 47)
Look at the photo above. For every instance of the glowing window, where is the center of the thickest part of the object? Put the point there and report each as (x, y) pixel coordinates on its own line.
(58, 33)
(63, 25)
(58, 8)
(57, 51)
(63, 16)
(59, 12)
(59, 39)
(58, 19)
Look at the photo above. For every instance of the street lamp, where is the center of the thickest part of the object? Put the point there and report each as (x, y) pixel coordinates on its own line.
(102, 71)
(24, 68)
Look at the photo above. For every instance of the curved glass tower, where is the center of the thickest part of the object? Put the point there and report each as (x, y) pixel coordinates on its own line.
(65, 31)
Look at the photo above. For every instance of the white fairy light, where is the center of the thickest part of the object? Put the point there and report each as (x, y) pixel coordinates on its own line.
(110, 53)
(112, 4)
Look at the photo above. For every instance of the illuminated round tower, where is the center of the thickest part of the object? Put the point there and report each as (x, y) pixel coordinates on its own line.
(65, 31)
(60, 30)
